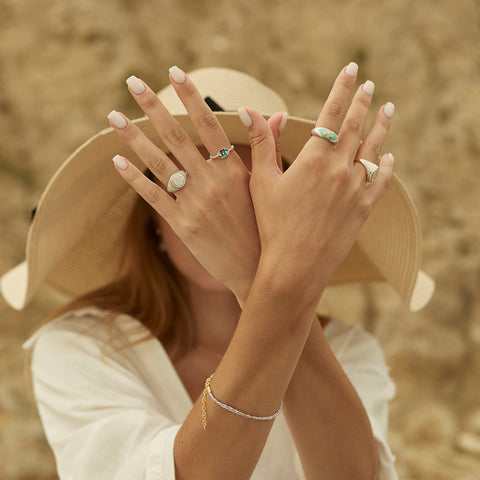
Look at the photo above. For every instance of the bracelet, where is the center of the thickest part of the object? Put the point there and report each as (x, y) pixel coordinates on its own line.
(208, 390)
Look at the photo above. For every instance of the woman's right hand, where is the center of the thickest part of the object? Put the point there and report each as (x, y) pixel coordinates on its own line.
(213, 215)
(309, 217)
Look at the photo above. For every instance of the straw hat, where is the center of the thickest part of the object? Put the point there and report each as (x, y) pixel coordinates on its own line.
(73, 240)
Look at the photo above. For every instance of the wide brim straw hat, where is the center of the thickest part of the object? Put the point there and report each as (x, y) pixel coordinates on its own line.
(73, 242)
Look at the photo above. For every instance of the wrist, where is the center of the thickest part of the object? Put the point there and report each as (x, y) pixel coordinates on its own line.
(287, 284)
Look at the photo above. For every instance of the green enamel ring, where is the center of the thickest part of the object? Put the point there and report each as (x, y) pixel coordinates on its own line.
(325, 133)
(371, 169)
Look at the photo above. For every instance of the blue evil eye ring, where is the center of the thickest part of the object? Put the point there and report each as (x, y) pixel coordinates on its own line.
(222, 153)
(177, 181)
(325, 133)
(371, 169)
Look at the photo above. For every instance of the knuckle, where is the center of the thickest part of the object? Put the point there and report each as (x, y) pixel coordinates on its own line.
(376, 148)
(354, 126)
(259, 140)
(176, 135)
(207, 121)
(346, 81)
(159, 166)
(150, 102)
(152, 195)
(371, 149)
(336, 110)
(364, 100)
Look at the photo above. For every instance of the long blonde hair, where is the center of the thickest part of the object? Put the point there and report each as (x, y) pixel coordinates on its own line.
(151, 289)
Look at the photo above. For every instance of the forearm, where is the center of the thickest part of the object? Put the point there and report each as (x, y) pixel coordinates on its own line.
(252, 377)
(326, 417)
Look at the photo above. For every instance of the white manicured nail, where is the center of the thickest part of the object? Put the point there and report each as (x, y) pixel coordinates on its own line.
(283, 122)
(245, 117)
(120, 162)
(390, 156)
(389, 109)
(352, 69)
(117, 119)
(369, 87)
(136, 85)
(177, 75)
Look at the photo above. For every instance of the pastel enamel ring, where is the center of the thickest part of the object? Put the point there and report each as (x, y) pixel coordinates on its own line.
(325, 133)
(222, 153)
(371, 169)
(177, 181)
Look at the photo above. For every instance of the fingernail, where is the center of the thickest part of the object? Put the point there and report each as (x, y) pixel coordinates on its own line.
(245, 117)
(136, 85)
(352, 69)
(283, 122)
(369, 87)
(117, 119)
(177, 75)
(120, 162)
(389, 109)
(390, 156)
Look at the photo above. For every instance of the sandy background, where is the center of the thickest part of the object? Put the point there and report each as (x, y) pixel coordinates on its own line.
(62, 69)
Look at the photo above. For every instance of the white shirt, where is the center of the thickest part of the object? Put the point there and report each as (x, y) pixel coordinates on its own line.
(116, 416)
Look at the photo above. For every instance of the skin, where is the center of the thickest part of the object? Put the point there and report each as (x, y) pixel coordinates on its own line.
(258, 252)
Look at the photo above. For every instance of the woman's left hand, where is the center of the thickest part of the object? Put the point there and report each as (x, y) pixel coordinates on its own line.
(213, 214)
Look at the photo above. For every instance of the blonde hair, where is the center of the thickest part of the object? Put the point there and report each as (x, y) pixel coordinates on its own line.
(150, 290)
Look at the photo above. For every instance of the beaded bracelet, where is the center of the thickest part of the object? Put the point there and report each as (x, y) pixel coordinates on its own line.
(208, 390)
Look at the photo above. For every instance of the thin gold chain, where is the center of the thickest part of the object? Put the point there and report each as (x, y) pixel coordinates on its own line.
(204, 401)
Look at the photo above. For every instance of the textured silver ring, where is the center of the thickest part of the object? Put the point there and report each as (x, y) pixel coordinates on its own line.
(325, 133)
(222, 153)
(371, 169)
(177, 181)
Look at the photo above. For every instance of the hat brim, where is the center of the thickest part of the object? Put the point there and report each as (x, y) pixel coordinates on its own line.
(73, 241)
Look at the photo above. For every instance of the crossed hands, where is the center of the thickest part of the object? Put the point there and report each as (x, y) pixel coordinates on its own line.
(238, 214)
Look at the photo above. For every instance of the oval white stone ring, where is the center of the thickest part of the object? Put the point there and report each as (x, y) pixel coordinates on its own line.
(177, 181)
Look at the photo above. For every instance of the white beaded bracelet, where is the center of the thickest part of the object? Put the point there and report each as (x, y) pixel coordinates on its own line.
(208, 390)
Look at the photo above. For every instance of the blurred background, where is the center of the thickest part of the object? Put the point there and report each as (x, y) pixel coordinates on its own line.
(63, 65)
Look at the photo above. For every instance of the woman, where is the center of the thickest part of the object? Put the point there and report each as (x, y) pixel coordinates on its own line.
(221, 274)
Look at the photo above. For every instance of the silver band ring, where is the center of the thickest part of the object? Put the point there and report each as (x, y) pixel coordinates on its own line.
(371, 169)
(325, 133)
(222, 153)
(177, 181)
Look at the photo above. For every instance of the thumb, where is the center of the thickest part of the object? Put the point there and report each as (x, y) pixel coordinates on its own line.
(276, 123)
(262, 142)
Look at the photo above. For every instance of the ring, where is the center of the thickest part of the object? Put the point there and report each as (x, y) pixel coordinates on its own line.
(222, 153)
(177, 181)
(325, 133)
(371, 169)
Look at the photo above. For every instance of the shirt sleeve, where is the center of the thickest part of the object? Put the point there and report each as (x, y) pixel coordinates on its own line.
(363, 362)
(100, 419)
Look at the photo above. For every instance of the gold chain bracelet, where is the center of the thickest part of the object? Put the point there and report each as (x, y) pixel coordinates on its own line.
(208, 390)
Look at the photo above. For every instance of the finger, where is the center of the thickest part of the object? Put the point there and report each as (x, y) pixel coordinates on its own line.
(262, 142)
(375, 190)
(156, 160)
(205, 122)
(277, 123)
(152, 193)
(372, 146)
(336, 105)
(353, 126)
(169, 129)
